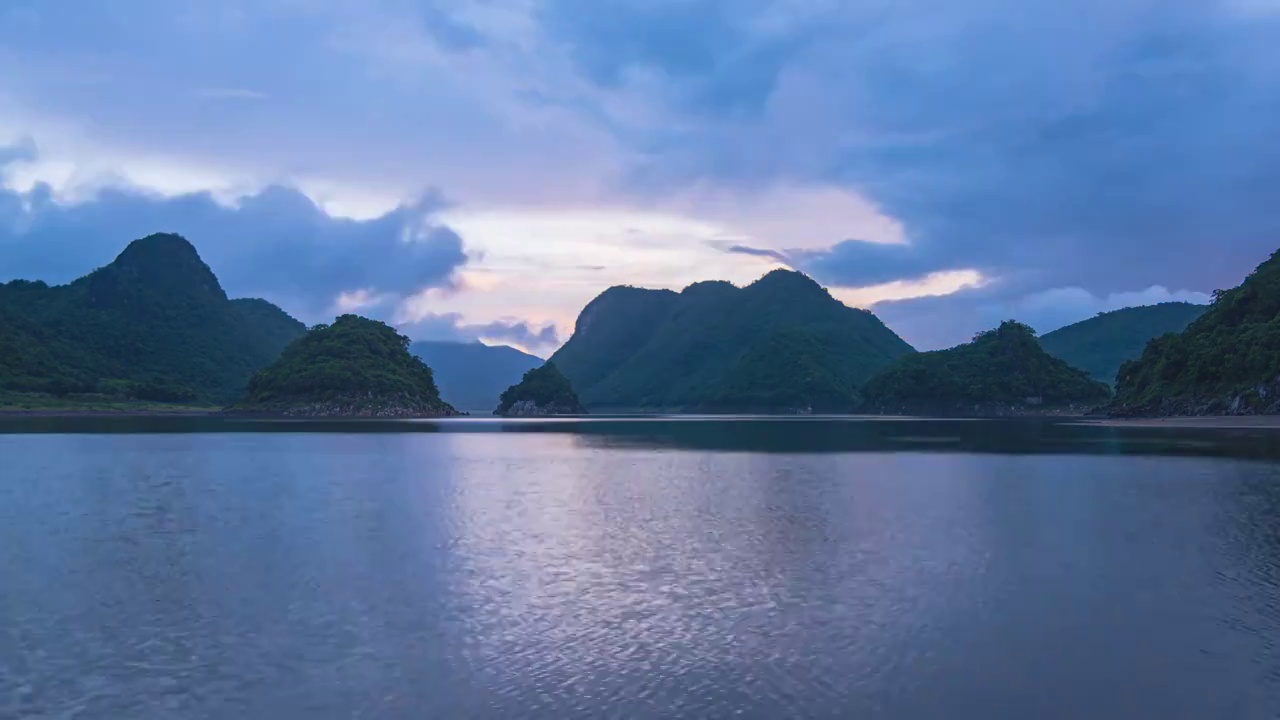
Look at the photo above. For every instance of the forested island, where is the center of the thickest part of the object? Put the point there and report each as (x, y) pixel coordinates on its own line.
(542, 391)
(355, 367)
(1002, 372)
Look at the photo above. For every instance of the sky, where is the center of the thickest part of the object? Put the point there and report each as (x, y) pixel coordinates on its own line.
(481, 169)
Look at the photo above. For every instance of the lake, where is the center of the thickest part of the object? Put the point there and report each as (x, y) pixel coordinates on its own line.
(636, 567)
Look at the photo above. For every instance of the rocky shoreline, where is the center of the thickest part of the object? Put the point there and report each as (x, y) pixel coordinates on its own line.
(528, 408)
(543, 391)
(991, 410)
(1200, 422)
(344, 409)
(1263, 399)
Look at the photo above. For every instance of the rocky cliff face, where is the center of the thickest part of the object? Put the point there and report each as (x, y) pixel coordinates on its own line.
(529, 408)
(1261, 399)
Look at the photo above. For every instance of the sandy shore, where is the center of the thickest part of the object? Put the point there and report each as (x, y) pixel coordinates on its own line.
(1258, 422)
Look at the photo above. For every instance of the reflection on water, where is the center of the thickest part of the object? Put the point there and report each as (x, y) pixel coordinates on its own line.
(637, 569)
(756, 434)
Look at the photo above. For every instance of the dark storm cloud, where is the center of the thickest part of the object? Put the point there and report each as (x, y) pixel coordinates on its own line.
(275, 243)
(720, 65)
(1106, 145)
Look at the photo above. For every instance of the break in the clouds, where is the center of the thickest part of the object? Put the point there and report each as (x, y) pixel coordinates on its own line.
(453, 326)
(955, 151)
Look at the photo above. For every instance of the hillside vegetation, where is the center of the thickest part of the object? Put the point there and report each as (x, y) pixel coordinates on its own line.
(1002, 372)
(1101, 344)
(153, 325)
(542, 391)
(780, 344)
(1226, 362)
(355, 367)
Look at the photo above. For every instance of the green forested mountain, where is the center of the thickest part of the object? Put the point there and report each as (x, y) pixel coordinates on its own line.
(1101, 344)
(542, 391)
(472, 376)
(610, 330)
(152, 325)
(355, 367)
(1225, 362)
(781, 343)
(790, 368)
(1003, 371)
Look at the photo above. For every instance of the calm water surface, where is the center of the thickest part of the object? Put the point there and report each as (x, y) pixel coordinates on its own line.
(198, 568)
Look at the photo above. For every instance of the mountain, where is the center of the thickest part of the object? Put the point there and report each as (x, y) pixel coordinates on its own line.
(1002, 372)
(787, 369)
(472, 376)
(1225, 362)
(780, 344)
(610, 330)
(355, 367)
(1101, 344)
(542, 391)
(155, 324)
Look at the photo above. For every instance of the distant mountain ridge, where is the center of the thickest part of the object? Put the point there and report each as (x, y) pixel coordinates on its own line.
(1226, 362)
(472, 376)
(1101, 344)
(781, 343)
(154, 324)
(1002, 372)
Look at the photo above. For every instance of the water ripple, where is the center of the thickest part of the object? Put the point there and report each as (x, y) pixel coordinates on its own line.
(539, 576)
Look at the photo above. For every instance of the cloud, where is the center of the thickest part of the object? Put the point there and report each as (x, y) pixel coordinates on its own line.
(1049, 310)
(452, 326)
(449, 31)
(1101, 145)
(377, 97)
(520, 332)
(24, 150)
(856, 263)
(362, 300)
(931, 285)
(778, 255)
(1104, 145)
(274, 243)
(229, 94)
(1253, 9)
